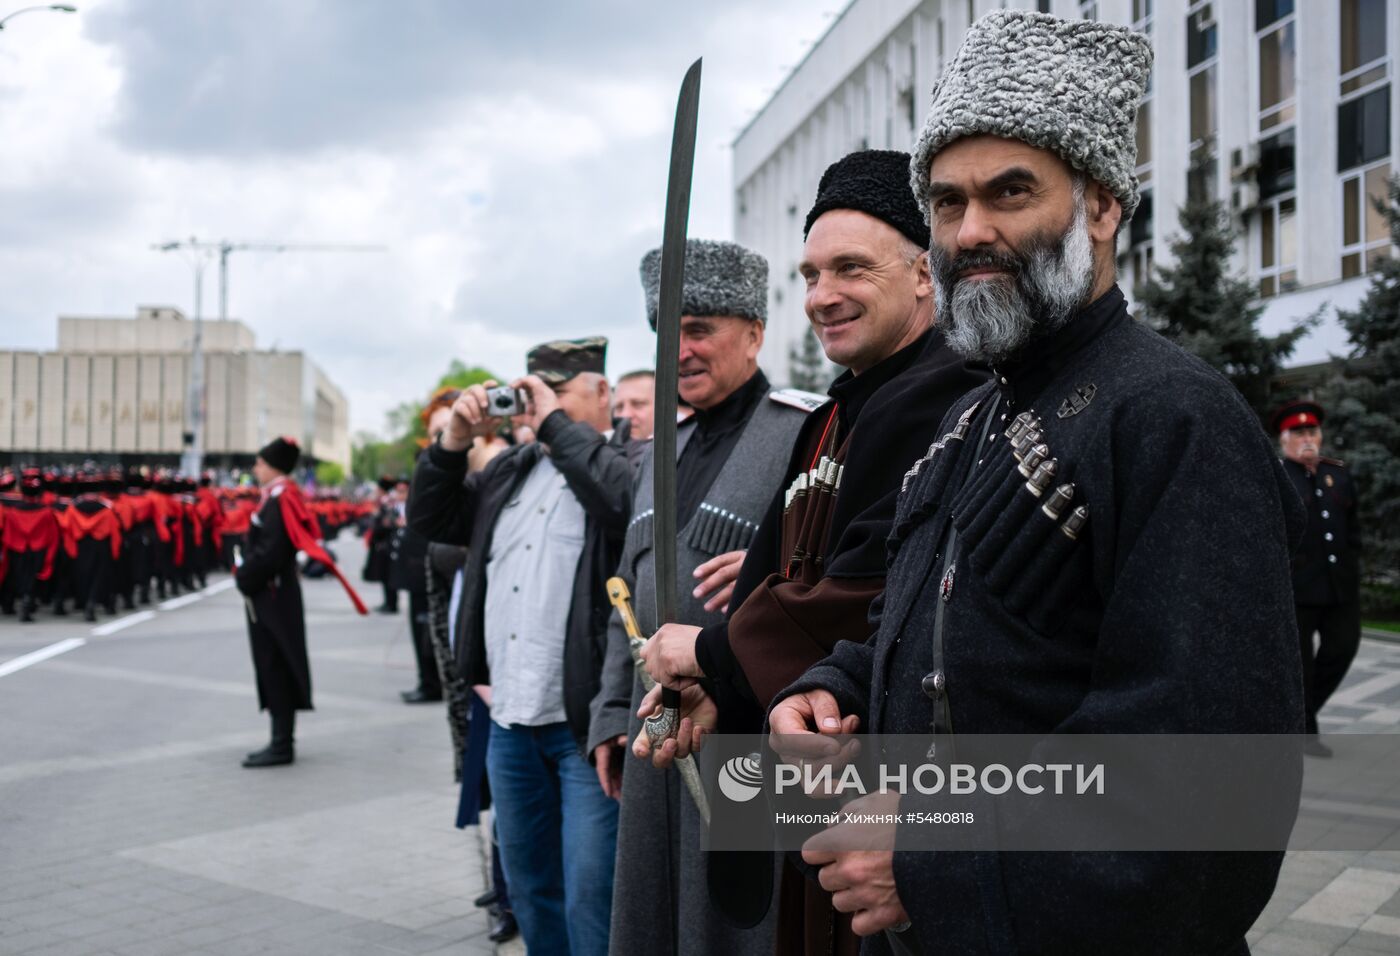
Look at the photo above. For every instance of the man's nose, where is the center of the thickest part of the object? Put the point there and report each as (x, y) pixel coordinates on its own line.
(976, 228)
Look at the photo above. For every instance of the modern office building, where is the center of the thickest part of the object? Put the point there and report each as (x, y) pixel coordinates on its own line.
(1286, 103)
(116, 390)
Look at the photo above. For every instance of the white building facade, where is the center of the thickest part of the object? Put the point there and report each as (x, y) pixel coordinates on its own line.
(1288, 104)
(117, 388)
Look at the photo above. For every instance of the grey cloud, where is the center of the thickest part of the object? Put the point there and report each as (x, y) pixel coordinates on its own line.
(267, 77)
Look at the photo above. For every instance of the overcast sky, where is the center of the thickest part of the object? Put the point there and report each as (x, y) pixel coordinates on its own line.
(510, 156)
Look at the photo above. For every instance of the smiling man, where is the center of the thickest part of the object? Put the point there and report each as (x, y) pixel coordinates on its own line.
(1098, 542)
(818, 560)
(731, 456)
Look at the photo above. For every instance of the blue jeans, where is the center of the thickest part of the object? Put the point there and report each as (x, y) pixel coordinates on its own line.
(558, 835)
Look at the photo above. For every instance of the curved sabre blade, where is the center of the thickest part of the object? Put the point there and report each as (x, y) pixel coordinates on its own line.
(668, 345)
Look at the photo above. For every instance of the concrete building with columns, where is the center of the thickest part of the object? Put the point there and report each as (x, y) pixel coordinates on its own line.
(116, 391)
(1287, 103)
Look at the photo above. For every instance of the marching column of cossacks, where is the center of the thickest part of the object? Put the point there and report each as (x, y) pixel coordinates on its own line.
(1017, 510)
(88, 540)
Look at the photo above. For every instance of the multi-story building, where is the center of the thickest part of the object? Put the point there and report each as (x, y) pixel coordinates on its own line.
(116, 390)
(1286, 105)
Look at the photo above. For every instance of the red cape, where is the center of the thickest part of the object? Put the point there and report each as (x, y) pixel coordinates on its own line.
(305, 534)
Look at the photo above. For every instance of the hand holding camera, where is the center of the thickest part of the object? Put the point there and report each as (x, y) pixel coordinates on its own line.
(540, 400)
(480, 409)
(471, 416)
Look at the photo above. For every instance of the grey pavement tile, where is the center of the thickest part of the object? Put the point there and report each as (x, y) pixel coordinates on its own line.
(69, 947)
(1280, 944)
(459, 927)
(30, 939)
(240, 946)
(1374, 943)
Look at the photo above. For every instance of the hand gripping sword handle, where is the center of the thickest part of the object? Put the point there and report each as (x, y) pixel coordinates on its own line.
(621, 598)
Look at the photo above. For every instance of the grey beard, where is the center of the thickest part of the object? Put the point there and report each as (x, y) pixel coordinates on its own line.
(991, 320)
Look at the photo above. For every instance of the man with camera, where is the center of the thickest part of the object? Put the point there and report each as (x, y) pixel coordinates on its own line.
(544, 523)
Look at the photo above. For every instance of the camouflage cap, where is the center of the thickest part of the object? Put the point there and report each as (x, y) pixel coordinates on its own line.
(557, 362)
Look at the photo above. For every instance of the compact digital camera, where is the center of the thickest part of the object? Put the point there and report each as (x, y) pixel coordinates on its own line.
(504, 401)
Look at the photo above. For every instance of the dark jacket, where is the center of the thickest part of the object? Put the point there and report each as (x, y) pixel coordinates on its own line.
(1171, 612)
(449, 505)
(1327, 565)
(276, 619)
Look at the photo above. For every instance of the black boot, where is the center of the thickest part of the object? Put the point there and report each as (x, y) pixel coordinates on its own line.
(281, 750)
(26, 611)
(90, 613)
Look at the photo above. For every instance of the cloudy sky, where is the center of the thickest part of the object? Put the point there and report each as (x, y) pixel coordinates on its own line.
(511, 157)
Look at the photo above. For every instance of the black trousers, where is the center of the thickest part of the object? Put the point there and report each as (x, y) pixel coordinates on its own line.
(428, 679)
(1338, 627)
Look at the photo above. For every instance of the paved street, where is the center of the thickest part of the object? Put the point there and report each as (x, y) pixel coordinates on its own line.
(128, 827)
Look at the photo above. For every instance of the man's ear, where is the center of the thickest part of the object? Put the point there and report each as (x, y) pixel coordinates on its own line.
(756, 336)
(1104, 212)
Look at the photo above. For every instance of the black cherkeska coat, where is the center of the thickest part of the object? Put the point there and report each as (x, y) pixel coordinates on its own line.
(1172, 612)
(276, 621)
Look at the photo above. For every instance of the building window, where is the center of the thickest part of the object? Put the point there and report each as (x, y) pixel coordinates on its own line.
(1278, 69)
(1201, 175)
(1142, 16)
(1267, 12)
(1278, 172)
(1200, 34)
(1043, 6)
(1364, 59)
(1140, 240)
(1089, 9)
(1363, 128)
(1144, 141)
(1365, 232)
(1278, 246)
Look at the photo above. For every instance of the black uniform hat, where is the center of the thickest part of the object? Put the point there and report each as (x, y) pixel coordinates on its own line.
(875, 182)
(281, 453)
(1300, 413)
(557, 362)
(387, 482)
(31, 482)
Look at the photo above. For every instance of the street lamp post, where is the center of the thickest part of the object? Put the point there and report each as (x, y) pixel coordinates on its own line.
(192, 448)
(55, 7)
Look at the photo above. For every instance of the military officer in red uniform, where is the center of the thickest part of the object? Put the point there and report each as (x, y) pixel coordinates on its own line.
(1326, 566)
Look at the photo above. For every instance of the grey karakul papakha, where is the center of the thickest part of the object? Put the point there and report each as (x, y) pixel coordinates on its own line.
(721, 278)
(1069, 86)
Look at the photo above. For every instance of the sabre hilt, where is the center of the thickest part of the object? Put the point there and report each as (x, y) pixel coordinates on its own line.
(664, 725)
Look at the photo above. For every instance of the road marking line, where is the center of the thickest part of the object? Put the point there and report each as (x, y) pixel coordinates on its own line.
(121, 623)
(42, 654)
(179, 602)
(216, 588)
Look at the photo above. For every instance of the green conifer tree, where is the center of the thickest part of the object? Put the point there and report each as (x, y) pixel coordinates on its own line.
(1199, 305)
(1363, 416)
(807, 365)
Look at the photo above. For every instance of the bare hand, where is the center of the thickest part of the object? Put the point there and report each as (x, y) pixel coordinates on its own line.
(607, 760)
(484, 692)
(717, 577)
(809, 731)
(469, 418)
(861, 881)
(541, 402)
(669, 655)
(699, 714)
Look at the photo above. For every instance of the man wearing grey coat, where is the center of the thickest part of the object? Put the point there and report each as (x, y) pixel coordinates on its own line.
(730, 457)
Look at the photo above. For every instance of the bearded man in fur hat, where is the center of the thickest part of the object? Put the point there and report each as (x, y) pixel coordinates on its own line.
(1097, 542)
